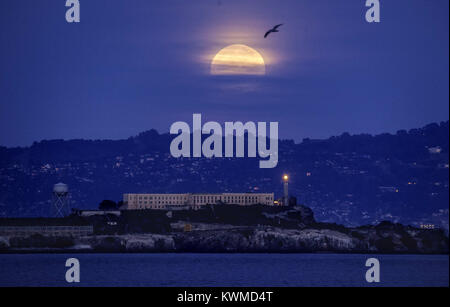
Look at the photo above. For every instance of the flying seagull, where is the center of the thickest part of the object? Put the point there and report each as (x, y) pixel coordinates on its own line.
(274, 29)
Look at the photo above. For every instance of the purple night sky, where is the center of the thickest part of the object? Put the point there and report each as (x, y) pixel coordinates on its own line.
(130, 66)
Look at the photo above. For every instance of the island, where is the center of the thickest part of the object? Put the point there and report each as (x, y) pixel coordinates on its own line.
(213, 229)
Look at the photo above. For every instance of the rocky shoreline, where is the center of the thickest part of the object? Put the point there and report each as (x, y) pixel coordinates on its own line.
(385, 238)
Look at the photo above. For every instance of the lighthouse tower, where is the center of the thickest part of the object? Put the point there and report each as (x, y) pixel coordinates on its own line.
(286, 190)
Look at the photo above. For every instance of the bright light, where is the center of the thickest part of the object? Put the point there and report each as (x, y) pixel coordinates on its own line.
(285, 177)
(238, 60)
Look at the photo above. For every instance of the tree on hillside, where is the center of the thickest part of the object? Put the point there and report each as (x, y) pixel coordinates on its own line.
(107, 205)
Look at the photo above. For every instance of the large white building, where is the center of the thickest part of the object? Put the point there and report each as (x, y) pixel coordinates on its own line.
(194, 201)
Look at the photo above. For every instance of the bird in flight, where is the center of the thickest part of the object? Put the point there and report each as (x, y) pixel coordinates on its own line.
(273, 30)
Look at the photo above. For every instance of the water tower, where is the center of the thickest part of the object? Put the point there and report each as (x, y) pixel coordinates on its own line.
(60, 200)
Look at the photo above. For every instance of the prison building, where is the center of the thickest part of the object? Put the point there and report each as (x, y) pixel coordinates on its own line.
(194, 201)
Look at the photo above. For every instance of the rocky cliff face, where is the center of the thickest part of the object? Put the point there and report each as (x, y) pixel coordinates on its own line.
(384, 238)
(314, 240)
(267, 240)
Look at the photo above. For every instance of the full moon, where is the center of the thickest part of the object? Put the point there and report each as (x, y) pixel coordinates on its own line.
(238, 60)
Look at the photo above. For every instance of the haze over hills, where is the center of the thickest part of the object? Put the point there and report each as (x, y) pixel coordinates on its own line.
(347, 179)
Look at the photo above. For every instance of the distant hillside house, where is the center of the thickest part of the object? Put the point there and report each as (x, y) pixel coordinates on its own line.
(435, 150)
(194, 201)
(389, 189)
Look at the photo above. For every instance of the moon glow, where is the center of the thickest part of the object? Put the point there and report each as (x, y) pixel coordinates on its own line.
(238, 60)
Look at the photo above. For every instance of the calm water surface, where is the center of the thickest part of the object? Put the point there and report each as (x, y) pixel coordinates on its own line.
(223, 270)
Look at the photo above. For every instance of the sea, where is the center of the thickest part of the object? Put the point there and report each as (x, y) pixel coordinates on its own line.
(224, 270)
